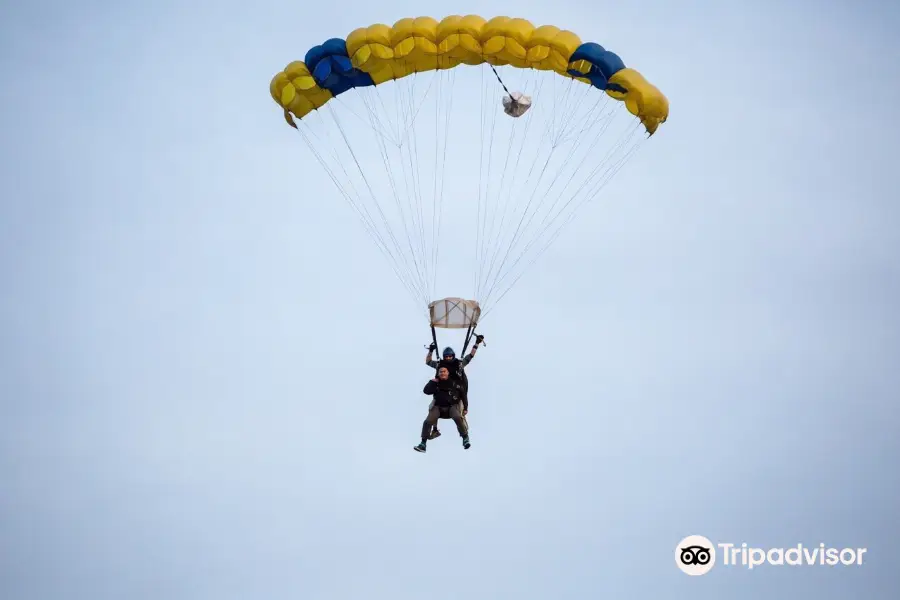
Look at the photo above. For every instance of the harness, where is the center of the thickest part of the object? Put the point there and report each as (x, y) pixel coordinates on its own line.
(452, 389)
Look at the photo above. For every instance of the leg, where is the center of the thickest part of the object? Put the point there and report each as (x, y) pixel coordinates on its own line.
(430, 420)
(461, 426)
(463, 413)
(434, 430)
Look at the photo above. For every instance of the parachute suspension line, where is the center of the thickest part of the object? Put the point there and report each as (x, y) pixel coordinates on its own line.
(374, 197)
(564, 225)
(367, 224)
(517, 236)
(507, 204)
(411, 140)
(548, 244)
(485, 236)
(608, 174)
(405, 105)
(559, 134)
(365, 179)
(484, 197)
(567, 160)
(567, 109)
(531, 171)
(589, 121)
(572, 100)
(407, 109)
(559, 173)
(387, 114)
(592, 119)
(437, 198)
(530, 200)
(534, 240)
(437, 247)
(421, 202)
(489, 236)
(412, 111)
(412, 101)
(377, 128)
(483, 217)
(419, 257)
(367, 219)
(393, 184)
(569, 180)
(480, 175)
(412, 150)
(434, 192)
(487, 191)
(490, 229)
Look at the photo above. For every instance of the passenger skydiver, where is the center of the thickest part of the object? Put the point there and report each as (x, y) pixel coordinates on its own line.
(449, 402)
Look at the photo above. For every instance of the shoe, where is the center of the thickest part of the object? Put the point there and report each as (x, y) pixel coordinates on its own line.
(420, 447)
(434, 434)
(466, 443)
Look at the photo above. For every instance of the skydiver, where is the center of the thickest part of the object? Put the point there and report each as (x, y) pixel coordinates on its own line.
(457, 371)
(448, 402)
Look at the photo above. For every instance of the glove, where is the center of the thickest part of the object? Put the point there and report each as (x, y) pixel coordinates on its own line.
(479, 339)
(432, 347)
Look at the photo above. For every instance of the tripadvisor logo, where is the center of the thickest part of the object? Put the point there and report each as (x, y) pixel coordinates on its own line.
(696, 555)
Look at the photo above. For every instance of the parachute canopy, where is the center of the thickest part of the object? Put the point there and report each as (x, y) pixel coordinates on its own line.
(372, 55)
(407, 122)
(454, 313)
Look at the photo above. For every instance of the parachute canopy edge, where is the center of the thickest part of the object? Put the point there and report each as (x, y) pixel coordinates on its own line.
(454, 313)
(379, 53)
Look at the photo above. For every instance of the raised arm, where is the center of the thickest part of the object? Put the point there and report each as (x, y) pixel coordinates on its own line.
(468, 358)
(428, 357)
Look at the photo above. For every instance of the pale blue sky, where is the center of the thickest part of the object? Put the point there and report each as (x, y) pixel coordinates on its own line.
(209, 387)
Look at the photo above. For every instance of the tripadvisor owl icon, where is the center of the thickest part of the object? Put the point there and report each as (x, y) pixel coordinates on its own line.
(695, 555)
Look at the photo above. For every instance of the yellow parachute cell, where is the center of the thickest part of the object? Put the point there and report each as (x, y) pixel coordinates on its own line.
(642, 99)
(296, 90)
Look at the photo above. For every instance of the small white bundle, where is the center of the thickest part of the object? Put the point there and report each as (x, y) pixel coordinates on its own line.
(516, 104)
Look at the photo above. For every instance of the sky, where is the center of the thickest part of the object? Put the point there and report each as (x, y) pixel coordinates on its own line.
(210, 381)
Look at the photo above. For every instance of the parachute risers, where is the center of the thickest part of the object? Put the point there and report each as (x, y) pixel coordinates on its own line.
(454, 313)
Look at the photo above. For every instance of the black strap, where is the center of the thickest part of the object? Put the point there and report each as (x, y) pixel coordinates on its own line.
(436, 349)
(508, 93)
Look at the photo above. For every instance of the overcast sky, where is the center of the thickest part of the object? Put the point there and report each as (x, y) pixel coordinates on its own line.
(211, 382)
